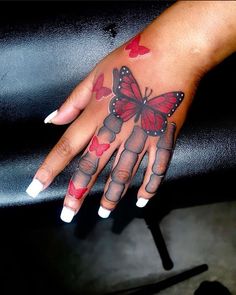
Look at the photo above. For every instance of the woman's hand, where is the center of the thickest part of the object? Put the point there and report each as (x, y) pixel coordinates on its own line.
(134, 102)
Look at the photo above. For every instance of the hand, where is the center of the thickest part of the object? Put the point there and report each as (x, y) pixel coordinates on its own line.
(134, 102)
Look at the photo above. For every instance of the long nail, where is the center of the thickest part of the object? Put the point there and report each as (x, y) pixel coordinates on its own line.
(104, 213)
(67, 214)
(49, 118)
(34, 188)
(142, 202)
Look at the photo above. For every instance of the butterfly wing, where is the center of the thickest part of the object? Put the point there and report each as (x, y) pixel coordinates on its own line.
(143, 50)
(166, 103)
(104, 91)
(99, 82)
(128, 97)
(77, 193)
(102, 148)
(153, 123)
(133, 44)
(94, 144)
(126, 85)
(154, 114)
(123, 108)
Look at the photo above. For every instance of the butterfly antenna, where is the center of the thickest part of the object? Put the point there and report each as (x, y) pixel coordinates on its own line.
(149, 93)
(145, 93)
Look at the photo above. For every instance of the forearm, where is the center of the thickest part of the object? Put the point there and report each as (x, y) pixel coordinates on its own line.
(196, 34)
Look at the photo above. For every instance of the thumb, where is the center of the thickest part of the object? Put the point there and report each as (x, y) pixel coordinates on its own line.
(74, 104)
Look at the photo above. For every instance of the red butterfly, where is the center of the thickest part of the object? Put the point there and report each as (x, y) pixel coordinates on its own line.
(129, 102)
(76, 192)
(99, 148)
(100, 90)
(135, 48)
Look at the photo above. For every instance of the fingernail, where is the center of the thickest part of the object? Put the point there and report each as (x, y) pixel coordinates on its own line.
(67, 214)
(34, 188)
(141, 202)
(104, 213)
(49, 118)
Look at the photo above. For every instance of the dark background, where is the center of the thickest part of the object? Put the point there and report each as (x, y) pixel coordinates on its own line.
(45, 50)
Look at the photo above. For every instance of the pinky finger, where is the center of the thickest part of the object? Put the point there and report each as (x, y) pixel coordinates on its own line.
(159, 159)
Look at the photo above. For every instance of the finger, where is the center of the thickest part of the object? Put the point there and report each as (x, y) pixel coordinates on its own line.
(72, 142)
(75, 103)
(96, 156)
(125, 166)
(159, 159)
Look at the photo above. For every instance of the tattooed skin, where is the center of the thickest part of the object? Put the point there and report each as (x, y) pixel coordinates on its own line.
(135, 49)
(122, 172)
(163, 156)
(98, 148)
(77, 193)
(150, 116)
(99, 89)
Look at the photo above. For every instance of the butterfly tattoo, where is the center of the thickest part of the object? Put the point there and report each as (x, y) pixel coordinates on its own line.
(135, 48)
(99, 148)
(129, 102)
(76, 192)
(99, 89)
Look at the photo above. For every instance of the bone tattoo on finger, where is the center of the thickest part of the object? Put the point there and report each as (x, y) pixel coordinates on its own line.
(150, 118)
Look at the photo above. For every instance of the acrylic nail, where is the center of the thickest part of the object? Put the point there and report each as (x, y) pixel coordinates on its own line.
(34, 188)
(104, 213)
(49, 118)
(67, 214)
(142, 202)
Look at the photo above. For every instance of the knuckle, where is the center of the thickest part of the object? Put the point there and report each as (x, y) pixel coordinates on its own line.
(64, 148)
(45, 173)
(122, 176)
(87, 165)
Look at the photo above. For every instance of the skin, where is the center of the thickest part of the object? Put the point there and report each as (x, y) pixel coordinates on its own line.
(185, 42)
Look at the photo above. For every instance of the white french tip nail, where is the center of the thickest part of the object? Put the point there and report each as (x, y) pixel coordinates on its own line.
(49, 118)
(34, 188)
(141, 202)
(104, 213)
(67, 214)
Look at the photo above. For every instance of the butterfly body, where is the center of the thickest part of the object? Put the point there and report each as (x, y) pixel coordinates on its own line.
(129, 102)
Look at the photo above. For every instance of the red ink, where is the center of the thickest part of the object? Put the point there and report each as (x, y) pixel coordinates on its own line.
(100, 90)
(99, 148)
(135, 48)
(76, 192)
(129, 102)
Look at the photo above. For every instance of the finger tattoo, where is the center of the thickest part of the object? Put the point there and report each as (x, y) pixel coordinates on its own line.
(122, 172)
(89, 162)
(162, 159)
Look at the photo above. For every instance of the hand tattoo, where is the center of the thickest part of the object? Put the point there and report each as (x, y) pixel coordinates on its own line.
(151, 118)
(99, 89)
(135, 48)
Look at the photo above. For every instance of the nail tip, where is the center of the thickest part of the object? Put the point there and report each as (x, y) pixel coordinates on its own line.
(49, 118)
(67, 214)
(103, 212)
(141, 202)
(34, 188)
